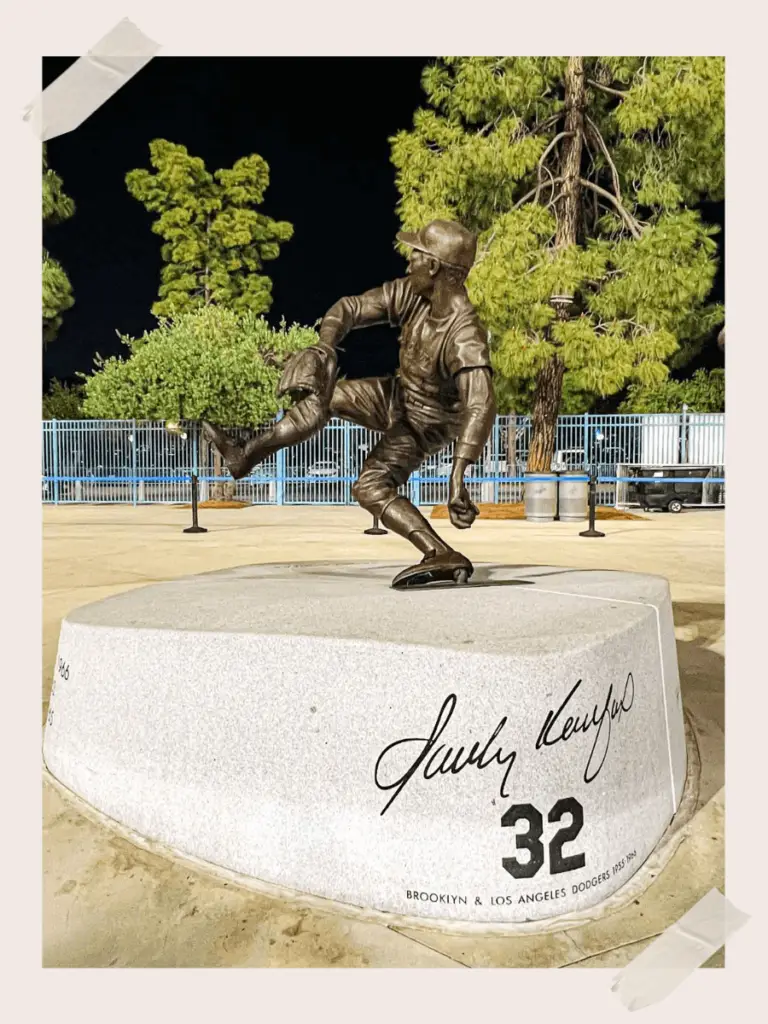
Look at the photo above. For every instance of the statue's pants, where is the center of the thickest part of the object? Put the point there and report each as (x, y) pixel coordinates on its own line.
(409, 437)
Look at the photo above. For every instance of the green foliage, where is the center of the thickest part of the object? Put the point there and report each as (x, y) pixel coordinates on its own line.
(57, 291)
(63, 401)
(57, 296)
(226, 365)
(703, 392)
(484, 153)
(517, 395)
(215, 242)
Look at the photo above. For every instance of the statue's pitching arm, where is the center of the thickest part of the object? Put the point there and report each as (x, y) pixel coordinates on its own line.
(478, 413)
(354, 311)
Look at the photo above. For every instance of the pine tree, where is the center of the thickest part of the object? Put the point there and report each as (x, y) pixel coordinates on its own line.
(216, 243)
(57, 291)
(63, 401)
(580, 176)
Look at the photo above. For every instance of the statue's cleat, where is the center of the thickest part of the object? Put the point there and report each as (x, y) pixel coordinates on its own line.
(230, 451)
(449, 566)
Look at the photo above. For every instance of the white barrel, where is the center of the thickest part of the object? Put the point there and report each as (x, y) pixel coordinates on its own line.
(540, 497)
(573, 497)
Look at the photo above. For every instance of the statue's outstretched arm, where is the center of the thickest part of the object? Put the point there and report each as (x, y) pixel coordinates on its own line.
(384, 305)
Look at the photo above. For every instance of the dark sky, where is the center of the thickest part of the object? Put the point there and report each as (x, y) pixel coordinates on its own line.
(322, 125)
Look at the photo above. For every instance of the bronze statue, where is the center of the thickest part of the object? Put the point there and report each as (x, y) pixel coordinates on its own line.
(442, 392)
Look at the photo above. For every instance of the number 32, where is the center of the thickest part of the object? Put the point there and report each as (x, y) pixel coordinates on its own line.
(531, 840)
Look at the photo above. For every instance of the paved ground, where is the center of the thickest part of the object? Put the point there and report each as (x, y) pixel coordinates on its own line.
(109, 903)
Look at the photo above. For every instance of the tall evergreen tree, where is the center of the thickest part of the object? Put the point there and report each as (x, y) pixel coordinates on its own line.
(580, 175)
(216, 243)
(57, 291)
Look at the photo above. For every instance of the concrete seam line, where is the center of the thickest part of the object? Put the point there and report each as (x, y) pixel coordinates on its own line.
(684, 946)
(92, 80)
(642, 604)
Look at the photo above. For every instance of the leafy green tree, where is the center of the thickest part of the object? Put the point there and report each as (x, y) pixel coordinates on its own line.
(579, 175)
(703, 392)
(215, 242)
(63, 401)
(57, 291)
(224, 365)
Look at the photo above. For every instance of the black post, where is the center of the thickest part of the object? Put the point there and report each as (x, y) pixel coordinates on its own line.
(592, 532)
(375, 530)
(194, 528)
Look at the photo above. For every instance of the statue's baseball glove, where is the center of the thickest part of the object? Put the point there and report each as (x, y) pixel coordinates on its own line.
(312, 370)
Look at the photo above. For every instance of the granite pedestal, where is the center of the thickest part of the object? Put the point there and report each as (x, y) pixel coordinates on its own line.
(507, 751)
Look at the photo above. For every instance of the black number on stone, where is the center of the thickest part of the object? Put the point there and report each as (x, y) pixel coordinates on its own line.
(530, 840)
(557, 862)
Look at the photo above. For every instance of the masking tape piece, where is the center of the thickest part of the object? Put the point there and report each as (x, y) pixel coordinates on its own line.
(683, 947)
(90, 81)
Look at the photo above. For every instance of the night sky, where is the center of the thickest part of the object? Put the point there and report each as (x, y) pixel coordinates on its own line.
(322, 125)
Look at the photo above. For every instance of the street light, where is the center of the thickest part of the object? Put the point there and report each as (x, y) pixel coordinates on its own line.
(592, 532)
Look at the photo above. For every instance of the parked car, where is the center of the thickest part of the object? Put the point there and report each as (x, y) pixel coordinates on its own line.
(666, 496)
(443, 467)
(568, 459)
(324, 468)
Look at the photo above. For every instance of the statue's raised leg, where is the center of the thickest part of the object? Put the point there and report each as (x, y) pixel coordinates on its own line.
(299, 423)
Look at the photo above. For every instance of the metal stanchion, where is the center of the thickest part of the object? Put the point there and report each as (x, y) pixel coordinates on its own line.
(375, 530)
(194, 528)
(175, 427)
(592, 532)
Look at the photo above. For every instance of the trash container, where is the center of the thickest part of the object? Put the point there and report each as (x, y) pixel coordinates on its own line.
(573, 495)
(540, 497)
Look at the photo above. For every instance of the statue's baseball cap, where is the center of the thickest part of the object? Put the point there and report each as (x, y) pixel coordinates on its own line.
(447, 241)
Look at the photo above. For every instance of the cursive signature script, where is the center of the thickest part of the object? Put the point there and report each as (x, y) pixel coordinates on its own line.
(435, 760)
(565, 730)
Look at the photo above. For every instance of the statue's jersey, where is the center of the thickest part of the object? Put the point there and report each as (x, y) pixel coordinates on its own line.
(432, 351)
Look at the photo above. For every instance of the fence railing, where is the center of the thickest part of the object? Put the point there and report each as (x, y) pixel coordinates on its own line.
(139, 462)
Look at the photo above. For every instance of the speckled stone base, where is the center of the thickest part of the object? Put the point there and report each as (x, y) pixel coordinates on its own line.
(511, 750)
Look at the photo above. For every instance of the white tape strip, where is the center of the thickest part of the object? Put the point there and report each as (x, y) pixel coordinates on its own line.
(683, 947)
(90, 81)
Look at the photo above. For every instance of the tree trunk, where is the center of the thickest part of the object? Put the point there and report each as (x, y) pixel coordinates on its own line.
(549, 388)
(223, 490)
(549, 384)
(512, 444)
(206, 288)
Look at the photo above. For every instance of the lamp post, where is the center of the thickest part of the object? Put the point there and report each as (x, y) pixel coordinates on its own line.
(592, 532)
(175, 427)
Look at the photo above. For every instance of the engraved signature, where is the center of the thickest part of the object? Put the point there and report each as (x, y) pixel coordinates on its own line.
(434, 760)
(554, 730)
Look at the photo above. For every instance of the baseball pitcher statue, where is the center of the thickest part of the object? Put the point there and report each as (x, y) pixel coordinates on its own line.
(442, 392)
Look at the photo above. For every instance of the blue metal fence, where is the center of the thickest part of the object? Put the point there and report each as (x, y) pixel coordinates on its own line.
(139, 462)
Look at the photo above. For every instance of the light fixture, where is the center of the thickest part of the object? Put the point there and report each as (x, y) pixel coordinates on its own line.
(176, 428)
(562, 304)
